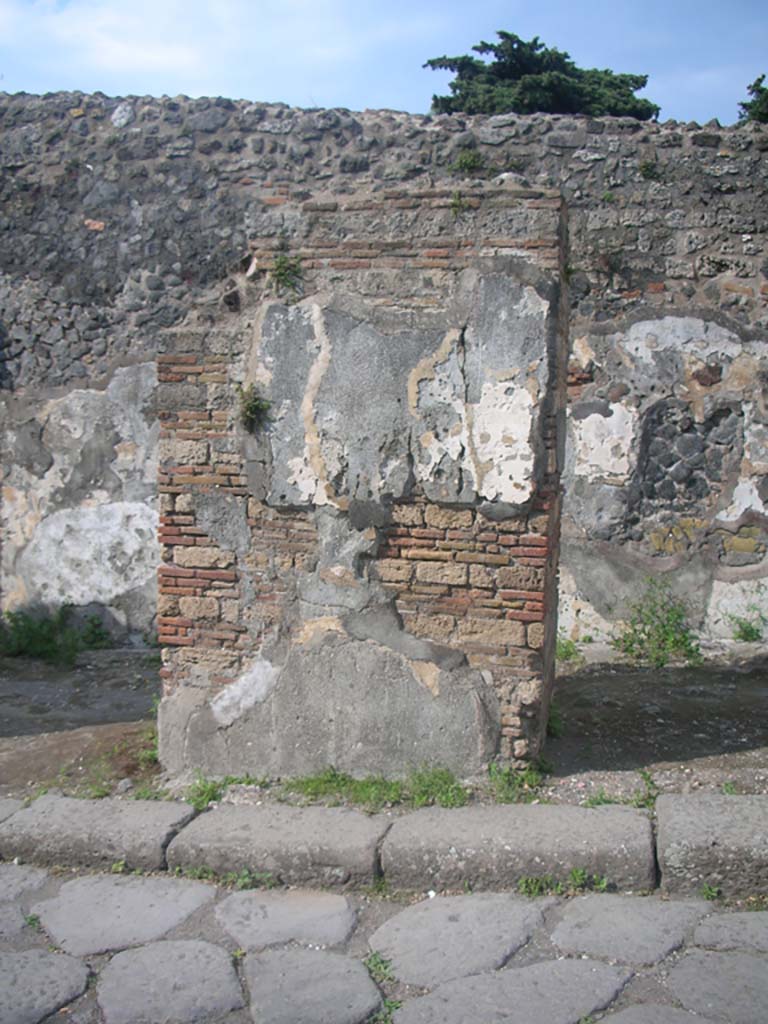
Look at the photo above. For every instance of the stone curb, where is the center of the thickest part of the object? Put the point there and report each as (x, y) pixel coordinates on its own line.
(97, 833)
(703, 838)
(714, 840)
(491, 846)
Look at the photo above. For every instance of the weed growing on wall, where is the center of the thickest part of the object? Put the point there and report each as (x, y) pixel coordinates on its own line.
(658, 629)
(749, 628)
(50, 637)
(468, 161)
(254, 408)
(287, 274)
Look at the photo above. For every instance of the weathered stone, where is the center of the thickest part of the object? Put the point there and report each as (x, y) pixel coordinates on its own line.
(448, 518)
(11, 920)
(710, 839)
(395, 709)
(184, 980)
(625, 928)
(746, 931)
(62, 830)
(298, 845)
(560, 992)
(731, 987)
(98, 914)
(441, 572)
(17, 879)
(259, 919)
(202, 558)
(489, 847)
(199, 607)
(8, 807)
(655, 1014)
(296, 986)
(491, 632)
(35, 984)
(450, 937)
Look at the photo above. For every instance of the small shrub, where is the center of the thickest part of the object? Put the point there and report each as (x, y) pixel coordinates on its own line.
(287, 273)
(749, 628)
(658, 629)
(458, 205)
(650, 170)
(254, 408)
(565, 648)
(93, 634)
(49, 637)
(468, 161)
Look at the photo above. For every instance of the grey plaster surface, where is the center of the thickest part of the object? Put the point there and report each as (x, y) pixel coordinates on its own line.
(450, 937)
(730, 987)
(101, 913)
(16, 879)
(626, 928)
(182, 981)
(9, 806)
(35, 983)
(298, 845)
(298, 986)
(63, 830)
(559, 993)
(259, 919)
(747, 931)
(708, 838)
(492, 846)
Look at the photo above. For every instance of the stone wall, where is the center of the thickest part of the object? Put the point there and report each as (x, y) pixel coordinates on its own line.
(132, 228)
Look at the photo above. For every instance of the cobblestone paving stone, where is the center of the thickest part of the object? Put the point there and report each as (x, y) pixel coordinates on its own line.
(297, 956)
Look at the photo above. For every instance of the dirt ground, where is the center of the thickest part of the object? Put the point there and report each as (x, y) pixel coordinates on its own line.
(87, 729)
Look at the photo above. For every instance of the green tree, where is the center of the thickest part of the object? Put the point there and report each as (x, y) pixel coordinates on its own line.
(528, 77)
(756, 109)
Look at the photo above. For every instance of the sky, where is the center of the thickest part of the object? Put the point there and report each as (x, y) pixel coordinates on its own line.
(700, 55)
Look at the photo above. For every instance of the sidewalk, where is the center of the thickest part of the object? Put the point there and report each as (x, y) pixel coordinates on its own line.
(115, 947)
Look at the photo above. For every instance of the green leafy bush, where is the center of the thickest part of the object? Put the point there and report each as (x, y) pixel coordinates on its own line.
(658, 629)
(49, 637)
(254, 408)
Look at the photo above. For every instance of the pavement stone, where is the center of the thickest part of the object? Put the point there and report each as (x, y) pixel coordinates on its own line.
(183, 981)
(630, 929)
(34, 984)
(97, 914)
(63, 830)
(747, 931)
(559, 992)
(259, 919)
(298, 845)
(709, 838)
(300, 986)
(9, 806)
(452, 936)
(731, 987)
(11, 920)
(16, 879)
(489, 847)
(655, 1013)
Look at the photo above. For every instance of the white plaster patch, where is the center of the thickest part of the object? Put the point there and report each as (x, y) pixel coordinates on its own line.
(745, 497)
(576, 617)
(603, 444)
(745, 599)
(251, 688)
(501, 442)
(94, 554)
(699, 337)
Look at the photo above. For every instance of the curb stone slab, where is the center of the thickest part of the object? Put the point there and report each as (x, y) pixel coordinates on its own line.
(11, 921)
(259, 919)
(747, 931)
(631, 929)
(63, 830)
(489, 847)
(656, 1014)
(184, 981)
(9, 806)
(35, 983)
(555, 992)
(16, 879)
(300, 986)
(298, 845)
(708, 838)
(731, 987)
(97, 914)
(452, 936)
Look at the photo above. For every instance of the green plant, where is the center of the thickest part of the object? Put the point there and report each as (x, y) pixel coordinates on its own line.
(468, 161)
(93, 634)
(650, 170)
(711, 892)
(247, 879)
(608, 197)
(514, 786)
(749, 628)
(149, 792)
(33, 921)
(565, 648)
(253, 408)
(555, 722)
(238, 955)
(538, 885)
(379, 968)
(205, 791)
(435, 786)
(119, 867)
(729, 789)
(755, 109)
(658, 628)
(384, 1016)
(35, 635)
(458, 204)
(287, 274)
(648, 794)
(599, 799)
